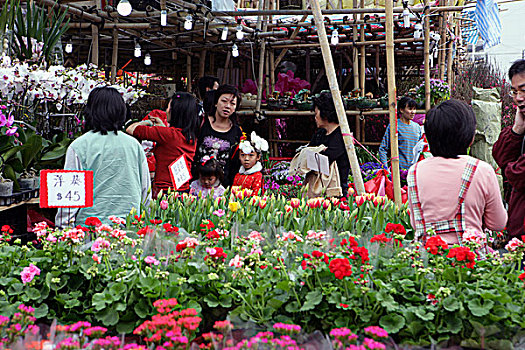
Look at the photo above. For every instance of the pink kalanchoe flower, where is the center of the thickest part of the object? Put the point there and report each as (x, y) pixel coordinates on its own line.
(51, 238)
(164, 204)
(376, 331)
(373, 345)
(256, 236)
(151, 260)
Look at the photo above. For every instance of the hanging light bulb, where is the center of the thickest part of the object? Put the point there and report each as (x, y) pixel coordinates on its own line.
(240, 33)
(188, 24)
(224, 34)
(147, 59)
(163, 18)
(406, 18)
(235, 50)
(124, 8)
(69, 47)
(334, 40)
(418, 30)
(138, 50)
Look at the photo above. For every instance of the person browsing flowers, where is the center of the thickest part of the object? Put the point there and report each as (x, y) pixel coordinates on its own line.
(220, 134)
(173, 140)
(250, 174)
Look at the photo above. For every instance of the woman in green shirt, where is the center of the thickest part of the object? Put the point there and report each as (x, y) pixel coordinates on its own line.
(120, 171)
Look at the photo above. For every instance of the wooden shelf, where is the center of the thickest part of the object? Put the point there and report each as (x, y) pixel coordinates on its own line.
(27, 202)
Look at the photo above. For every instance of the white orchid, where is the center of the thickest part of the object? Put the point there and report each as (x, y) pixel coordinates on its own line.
(62, 86)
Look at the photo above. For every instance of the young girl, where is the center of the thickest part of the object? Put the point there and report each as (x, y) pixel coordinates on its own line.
(250, 175)
(210, 178)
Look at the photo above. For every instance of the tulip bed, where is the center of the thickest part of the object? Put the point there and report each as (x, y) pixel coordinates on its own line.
(320, 264)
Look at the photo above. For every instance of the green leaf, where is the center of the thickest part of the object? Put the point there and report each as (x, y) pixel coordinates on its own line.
(292, 307)
(15, 289)
(451, 303)
(392, 323)
(99, 301)
(125, 327)
(142, 308)
(500, 344)
(225, 300)
(414, 328)
(41, 311)
(453, 323)
(194, 305)
(425, 316)
(211, 300)
(108, 317)
(478, 308)
(313, 298)
(118, 290)
(33, 293)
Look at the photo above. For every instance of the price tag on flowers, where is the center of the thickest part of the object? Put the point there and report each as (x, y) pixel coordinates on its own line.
(66, 189)
(180, 172)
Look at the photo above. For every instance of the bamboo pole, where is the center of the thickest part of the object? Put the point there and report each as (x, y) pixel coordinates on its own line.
(94, 43)
(362, 62)
(114, 57)
(336, 95)
(272, 70)
(308, 66)
(355, 60)
(288, 44)
(226, 78)
(188, 72)
(253, 13)
(267, 72)
(262, 56)
(442, 53)
(202, 63)
(391, 74)
(95, 37)
(426, 59)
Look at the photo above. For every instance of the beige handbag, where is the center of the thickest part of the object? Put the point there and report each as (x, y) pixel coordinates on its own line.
(321, 185)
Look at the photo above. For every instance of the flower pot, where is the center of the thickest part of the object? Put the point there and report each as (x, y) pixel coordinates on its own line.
(26, 183)
(6, 188)
(36, 184)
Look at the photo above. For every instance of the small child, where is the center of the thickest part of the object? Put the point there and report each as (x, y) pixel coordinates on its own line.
(250, 174)
(210, 178)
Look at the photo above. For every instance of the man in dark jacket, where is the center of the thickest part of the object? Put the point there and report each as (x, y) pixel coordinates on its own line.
(509, 151)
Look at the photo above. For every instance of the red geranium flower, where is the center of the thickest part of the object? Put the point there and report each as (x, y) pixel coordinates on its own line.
(340, 268)
(434, 243)
(93, 221)
(143, 231)
(463, 254)
(380, 238)
(362, 252)
(396, 228)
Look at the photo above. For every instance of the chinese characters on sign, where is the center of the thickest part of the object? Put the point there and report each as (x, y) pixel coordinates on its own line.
(66, 188)
(180, 172)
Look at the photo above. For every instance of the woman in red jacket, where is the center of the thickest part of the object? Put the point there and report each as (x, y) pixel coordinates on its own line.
(173, 140)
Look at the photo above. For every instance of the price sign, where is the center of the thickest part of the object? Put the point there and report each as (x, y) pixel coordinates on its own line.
(66, 189)
(180, 172)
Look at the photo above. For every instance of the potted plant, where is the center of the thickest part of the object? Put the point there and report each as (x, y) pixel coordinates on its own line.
(6, 185)
(303, 101)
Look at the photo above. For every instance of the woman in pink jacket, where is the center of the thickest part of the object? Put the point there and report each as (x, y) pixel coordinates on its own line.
(451, 191)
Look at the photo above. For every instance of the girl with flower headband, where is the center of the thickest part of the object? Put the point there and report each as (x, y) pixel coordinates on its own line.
(250, 174)
(210, 178)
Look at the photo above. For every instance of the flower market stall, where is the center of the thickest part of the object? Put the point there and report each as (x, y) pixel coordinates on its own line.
(243, 270)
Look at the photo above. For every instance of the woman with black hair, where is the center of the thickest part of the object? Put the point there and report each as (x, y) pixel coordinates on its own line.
(329, 134)
(220, 135)
(451, 192)
(172, 141)
(121, 176)
(409, 134)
